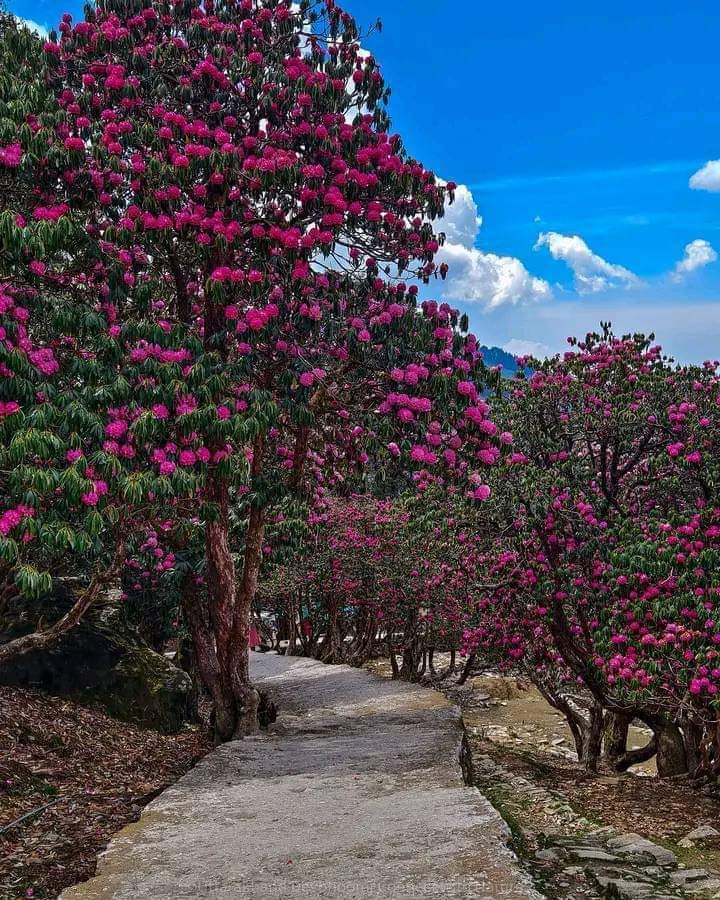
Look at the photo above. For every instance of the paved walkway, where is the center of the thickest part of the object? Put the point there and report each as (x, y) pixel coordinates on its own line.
(355, 793)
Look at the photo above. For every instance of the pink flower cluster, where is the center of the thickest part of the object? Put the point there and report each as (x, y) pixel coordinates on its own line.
(11, 518)
(11, 155)
(405, 406)
(8, 407)
(145, 350)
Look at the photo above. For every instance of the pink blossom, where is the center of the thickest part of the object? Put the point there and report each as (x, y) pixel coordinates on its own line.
(11, 155)
(8, 407)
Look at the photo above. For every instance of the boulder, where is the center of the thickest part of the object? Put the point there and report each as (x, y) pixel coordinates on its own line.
(635, 845)
(498, 687)
(703, 834)
(102, 660)
(621, 887)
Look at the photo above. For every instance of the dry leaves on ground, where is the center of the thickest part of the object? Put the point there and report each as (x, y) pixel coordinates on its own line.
(73, 776)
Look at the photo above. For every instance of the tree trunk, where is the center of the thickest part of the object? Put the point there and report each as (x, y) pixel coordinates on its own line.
(410, 662)
(413, 648)
(245, 694)
(293, 618)
(696, 747)
(616, 735)
(236, 700)
(617, 755)
(470, 662)
(391, 655)
(592, 732)
(332, 647)
(587, 730)
(363, 646)
(221, 602)
(187, 661)
(206, 659)
(671, 757)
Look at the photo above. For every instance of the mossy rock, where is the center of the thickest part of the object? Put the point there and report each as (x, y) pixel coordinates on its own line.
(147, 688)
(499, 687)
(101, 660)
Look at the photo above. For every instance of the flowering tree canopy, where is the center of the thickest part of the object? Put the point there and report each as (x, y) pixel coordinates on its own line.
(231, 219)
(612, 492)
(215, 368)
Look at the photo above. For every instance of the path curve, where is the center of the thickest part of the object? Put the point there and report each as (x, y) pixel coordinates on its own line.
(355, 793)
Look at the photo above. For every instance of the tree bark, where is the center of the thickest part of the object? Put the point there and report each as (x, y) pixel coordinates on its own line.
(586, 729)
(412, 651)
(617, 755)
(671, 756)
(332, 648)
(696, 747)
(363, 645)
(221, 603)
(392, 656)
(470, 662)
(410, 661)
(246, 695)
(206, 659)
(230, 604)
(616, 735)
(635, 757)
(592, 732)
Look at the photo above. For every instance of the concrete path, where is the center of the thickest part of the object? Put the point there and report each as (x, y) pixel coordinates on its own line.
(355, 793)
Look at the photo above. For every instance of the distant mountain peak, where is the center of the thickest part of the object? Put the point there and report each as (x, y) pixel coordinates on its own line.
(496, 356)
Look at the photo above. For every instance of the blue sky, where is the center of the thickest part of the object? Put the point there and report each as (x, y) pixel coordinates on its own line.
(583, 122)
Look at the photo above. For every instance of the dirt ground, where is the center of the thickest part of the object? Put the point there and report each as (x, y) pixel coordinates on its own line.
(69, 778)
(529, 736)
(520, 716)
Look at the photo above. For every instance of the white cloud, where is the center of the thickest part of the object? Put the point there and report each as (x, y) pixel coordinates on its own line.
(461, 222)
(707, 178)
(592, 272)
(476, 276)
(518, 347)
(40, 30)
(488, 278)
(698, 254)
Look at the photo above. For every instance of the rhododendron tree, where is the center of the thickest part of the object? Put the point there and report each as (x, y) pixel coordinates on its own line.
(324, 589)
(611, 492)
(244, 218)
(591, 564)
(394, 577)
(58, 513)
